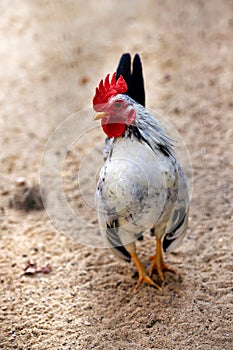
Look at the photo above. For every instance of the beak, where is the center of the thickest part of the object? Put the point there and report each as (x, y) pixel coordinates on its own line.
(100, 115)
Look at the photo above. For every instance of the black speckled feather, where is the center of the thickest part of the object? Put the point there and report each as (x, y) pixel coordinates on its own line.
(114, 240)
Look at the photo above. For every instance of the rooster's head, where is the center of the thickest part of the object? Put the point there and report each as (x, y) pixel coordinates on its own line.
(114, 109)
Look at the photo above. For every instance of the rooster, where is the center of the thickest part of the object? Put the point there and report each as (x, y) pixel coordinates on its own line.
(141, 185)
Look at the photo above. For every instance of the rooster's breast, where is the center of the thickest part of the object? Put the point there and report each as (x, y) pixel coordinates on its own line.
(134, 184)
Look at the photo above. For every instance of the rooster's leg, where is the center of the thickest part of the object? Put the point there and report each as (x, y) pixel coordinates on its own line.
(143, 276)
(158, 262)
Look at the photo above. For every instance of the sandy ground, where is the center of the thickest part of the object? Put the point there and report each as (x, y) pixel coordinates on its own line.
(53, 54)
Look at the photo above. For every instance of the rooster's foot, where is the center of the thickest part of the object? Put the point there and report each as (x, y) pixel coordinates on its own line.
(159, 265)
(145, 278)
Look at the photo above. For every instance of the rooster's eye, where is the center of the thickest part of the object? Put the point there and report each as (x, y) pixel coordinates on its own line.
(118, 104)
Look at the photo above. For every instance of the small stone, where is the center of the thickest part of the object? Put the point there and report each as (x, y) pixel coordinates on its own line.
(167, 77)
(84, 80)
(176, 110)
(118, 283)
(87, 323)
(20, 181)
(5, 192)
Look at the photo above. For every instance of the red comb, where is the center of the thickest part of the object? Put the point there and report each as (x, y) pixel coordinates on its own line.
(108, 89)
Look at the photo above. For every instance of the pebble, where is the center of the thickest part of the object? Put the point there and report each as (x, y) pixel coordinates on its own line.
(20, 181)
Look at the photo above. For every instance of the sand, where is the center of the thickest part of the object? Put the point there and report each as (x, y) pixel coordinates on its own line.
(53, 54)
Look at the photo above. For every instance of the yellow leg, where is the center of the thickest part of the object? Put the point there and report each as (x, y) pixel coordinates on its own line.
(158, 262)
(143, 276)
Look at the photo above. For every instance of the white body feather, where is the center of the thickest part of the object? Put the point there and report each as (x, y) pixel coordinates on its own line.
(141, 187)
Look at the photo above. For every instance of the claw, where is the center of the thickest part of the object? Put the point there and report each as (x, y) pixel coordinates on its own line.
(145, 278)
(159, 266)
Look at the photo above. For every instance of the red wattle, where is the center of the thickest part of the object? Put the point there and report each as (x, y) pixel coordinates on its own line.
(114, 129)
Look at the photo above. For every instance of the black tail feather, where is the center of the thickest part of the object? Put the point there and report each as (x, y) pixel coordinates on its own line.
(134, 78)
(137, 81)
